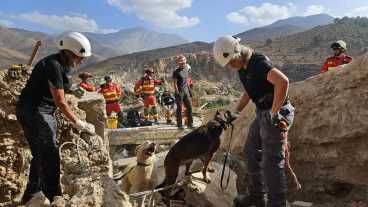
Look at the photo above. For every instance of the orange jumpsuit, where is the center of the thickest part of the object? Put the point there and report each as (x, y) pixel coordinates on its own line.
(112, 94)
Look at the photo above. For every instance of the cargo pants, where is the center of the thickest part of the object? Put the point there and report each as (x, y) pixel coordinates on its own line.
(266, 158)
(40, 131)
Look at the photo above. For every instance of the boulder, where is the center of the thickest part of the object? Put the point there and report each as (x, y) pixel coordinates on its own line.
(200, 194)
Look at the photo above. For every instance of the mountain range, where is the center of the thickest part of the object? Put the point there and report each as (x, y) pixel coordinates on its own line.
(16, 44)
(299, 55)
(285, 27)
(136, 46)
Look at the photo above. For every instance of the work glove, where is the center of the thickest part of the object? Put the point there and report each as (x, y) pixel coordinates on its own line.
(232, 116)
(84, 127)
(273, 119)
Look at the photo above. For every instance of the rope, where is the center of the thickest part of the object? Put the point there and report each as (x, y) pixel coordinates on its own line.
(226, 159)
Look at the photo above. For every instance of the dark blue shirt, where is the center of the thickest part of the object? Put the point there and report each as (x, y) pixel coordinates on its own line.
(255, 83)
(48, 72)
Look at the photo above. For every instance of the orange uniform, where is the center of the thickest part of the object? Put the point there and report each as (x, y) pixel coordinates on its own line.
(146, 87)
(112, 94)
(86, 86)
(335, 61)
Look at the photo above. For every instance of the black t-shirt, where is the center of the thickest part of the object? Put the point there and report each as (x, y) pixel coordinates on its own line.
(255, 83)
(47, 73)
(181, 76)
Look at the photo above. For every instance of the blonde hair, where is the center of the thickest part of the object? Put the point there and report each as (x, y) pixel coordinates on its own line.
(245, 53)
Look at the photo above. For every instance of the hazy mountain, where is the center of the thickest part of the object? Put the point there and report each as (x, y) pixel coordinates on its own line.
(282, 28)
(306, 22)
(136, 40)
(104, 46)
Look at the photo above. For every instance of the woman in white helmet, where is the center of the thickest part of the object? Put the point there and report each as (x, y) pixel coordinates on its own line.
(42, 95)
(267, 87)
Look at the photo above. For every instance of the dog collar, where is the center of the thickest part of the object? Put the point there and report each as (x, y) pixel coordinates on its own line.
(142, 164)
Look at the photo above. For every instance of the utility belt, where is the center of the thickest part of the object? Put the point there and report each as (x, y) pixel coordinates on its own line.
(265, 103)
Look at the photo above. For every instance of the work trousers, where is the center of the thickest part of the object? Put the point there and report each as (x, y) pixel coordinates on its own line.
(183, 97)
(40, 132)
(265, 157)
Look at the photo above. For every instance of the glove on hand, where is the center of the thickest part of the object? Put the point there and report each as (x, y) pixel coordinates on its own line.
(232, 116)
(84, 126)
(273, 119)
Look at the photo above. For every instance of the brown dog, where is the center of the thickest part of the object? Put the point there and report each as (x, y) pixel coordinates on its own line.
(201, 144)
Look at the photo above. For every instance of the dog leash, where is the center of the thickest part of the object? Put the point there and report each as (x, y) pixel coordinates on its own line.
(226, 160)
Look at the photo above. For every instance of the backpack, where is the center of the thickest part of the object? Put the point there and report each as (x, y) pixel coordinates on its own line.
(133, 118)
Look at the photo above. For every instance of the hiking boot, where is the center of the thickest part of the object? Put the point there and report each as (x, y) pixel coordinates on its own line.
(180, 126)
(250, 200)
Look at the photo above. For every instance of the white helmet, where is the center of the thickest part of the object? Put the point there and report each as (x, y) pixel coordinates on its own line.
(339, 44)
(225, 48)
(77, 43)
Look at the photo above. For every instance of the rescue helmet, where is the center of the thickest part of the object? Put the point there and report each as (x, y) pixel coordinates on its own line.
(339, 44)
(85, 75)
(225, 49)
(76, 43)
(108, 77)
(180, 59)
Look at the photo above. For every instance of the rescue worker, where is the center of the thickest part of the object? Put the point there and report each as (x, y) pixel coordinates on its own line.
(182, 92)
(112, 94)
(145, 88)
(340, 57)
(167, 101)
(267, 87)
(84, 82)
(39, 99)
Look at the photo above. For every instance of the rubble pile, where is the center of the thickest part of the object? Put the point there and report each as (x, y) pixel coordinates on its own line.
(85, 164)
(14, 153)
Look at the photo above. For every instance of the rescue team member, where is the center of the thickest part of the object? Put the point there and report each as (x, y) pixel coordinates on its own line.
(43, 93)
(340, 57)
(84, 82)
(182, 91)
(267, 87)
(167, 101)
(112, 94)
(145, 87)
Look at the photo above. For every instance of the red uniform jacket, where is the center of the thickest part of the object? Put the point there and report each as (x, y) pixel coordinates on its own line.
(87, 86)
(335, 61)
(146, 86)
(111, 92)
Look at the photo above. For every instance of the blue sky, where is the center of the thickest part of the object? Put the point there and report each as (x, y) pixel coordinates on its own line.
(195, 20)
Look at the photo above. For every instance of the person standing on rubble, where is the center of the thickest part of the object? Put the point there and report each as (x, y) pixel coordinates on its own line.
(112, 94)
(145, 88)
(42, 95)
(264, 149)
(182, 91)
(340, 57)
